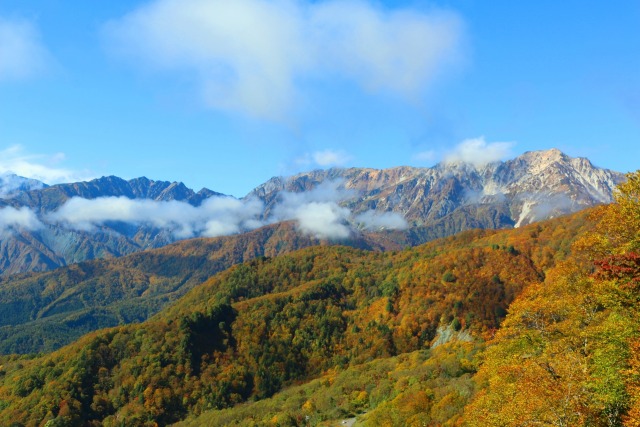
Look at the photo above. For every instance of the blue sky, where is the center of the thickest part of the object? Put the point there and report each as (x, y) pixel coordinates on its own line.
(225, 95)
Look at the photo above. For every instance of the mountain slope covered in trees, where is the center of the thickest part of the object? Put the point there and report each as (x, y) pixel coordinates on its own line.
(42, 311)
(411, 337)
(259, 327)
(566, 355)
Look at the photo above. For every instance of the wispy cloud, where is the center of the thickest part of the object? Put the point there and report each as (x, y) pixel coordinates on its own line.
(428, 156)
(252, 56)
(12, 219)
(22, 53)
(479, 152)
(11, 184)
(324, 158)
(216, 216)
(327, 158)
(38, 166)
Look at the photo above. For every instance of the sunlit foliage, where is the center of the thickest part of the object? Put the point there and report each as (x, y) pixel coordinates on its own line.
(263, 326)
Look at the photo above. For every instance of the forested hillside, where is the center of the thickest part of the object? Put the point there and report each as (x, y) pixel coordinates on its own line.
(43, 311)
(566, 355)
(262, 326)
(568, 352)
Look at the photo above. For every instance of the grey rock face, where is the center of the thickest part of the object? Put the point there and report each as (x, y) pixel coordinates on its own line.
(535, 186)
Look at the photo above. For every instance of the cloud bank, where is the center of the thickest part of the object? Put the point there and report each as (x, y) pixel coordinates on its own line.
(479, 152)
(216, 216)
(255, 56)
(318, 212)
(23, 54)
(14, 160)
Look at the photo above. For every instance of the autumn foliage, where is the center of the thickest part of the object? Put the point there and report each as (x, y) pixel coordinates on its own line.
(261, 327)
(567, 353)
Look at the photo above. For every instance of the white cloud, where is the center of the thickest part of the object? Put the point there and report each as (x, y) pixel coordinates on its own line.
(324, 158)
(373, 220)
(23, 55)
(328, 158)
(425, 156)
(478, 152)
(36, 166)
(254, 56)
(215, 217)
(12, 219)
(324, 220)
(319, 213)
(11, 184)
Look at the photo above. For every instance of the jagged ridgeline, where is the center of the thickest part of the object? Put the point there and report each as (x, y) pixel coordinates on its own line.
(41, 312)
(333, 313)
(69, 223)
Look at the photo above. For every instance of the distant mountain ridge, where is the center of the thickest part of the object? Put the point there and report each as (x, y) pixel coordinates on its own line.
(52, 197)
(53, 245)
(435, 202)
(534, 186)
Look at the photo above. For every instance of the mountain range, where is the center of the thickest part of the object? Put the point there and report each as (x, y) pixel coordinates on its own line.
(281, 323)
(45, 227)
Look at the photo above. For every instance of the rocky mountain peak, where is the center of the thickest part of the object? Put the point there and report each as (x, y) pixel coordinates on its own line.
(531, 187)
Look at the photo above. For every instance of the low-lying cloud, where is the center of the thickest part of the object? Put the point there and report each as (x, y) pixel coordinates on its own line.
(216, 216)
(255, 56)
(23, 54)
(318, 212)
(12, 219)
(324, 220)
(479, 152)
